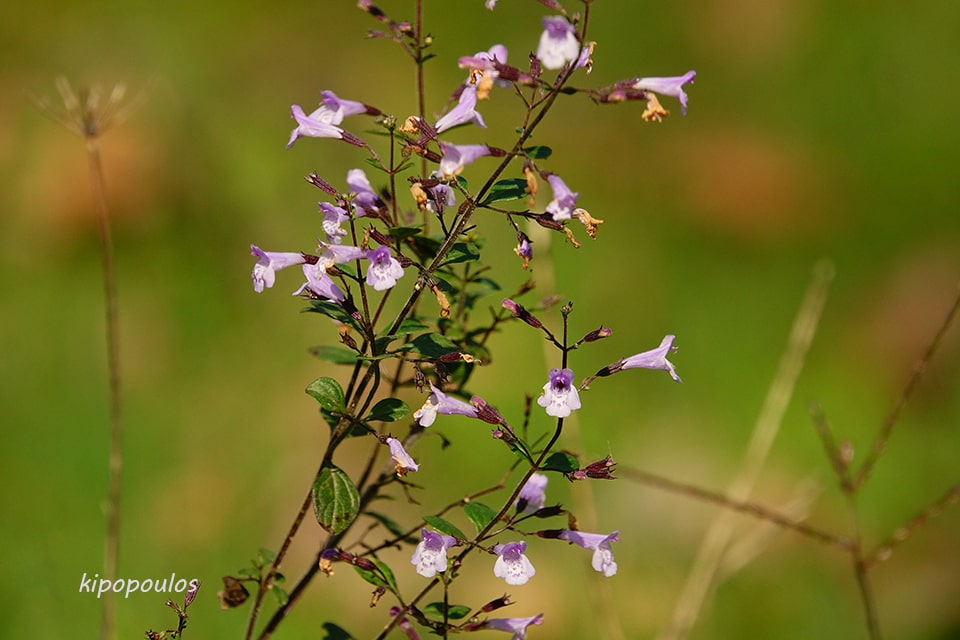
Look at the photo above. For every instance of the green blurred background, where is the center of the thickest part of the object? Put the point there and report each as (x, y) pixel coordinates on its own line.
(816, 130)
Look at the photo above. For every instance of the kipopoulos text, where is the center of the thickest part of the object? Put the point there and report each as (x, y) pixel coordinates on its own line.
(126, 586)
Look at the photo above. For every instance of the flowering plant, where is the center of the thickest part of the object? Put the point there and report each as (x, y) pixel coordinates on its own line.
(383, 241)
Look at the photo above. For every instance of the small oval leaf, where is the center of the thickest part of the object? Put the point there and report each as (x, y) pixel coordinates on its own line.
(382, 578)
(336, 501)
(562, 462)
(336, 355)
(328, 393)
(443, 526)
(389, 410)
(454, 611)
(507, 189)
(480, 514)
(538, 152)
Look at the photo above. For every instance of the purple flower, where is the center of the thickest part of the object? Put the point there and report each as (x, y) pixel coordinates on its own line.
(320, 283)
(524, 249)
(672, 86)
(366, 199)
(512, 565)
(516, 626)
(558, 43)
(559, 396)
(264, 271)
(600, 544)
(430, 556)
(333, 217)
(484, 60)
(457, 156)
(442, 196)
(564, 201)
(322, 122)
(384, 270)
(653, 359)
(533, 494)
(332, 254)
(400, 456)
(309, 127)
(439, 402)
(464, 113)
(490, 4)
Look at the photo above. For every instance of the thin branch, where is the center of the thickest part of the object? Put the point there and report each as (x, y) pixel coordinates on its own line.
(880, 443)
(750, 508)
(885, 549)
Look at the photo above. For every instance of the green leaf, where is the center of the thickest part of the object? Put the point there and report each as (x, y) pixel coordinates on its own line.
(407, 326)
(454, 611)
(410, 325)
(562, 462)
(507, 189)
(538, 152)
(444, 526)
(336, 355)
(382, 578)
(461, 252)
(335, 632)
(335, 500)
(281, 595)
(335, 311)
(389, 410)
(392, 526)
(480, 514)
(402, 233)
(433, 345)
(328, 393)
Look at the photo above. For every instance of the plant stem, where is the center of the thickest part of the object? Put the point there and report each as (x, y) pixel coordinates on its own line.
(115, 464)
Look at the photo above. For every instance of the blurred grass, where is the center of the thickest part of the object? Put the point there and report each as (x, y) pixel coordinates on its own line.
(815, 130)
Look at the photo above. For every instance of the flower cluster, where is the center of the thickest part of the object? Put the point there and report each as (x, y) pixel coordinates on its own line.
(375, 243)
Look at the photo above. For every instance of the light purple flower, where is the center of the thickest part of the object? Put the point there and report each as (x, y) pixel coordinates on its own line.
(512, 565)
(366, 199)
(264, 271)
(559, 396)
(401, 458)
(384, 269)
(320, 283)
(333, 217)
(600, 545)
(654, 359)
(524, 249)
(332, 254)
(533, 494)
(516, 626)
(490, 4)
(309, 127)
(564, 201)
(430, 556)
(442, 197)
(672, 86)
(457, 156)
(558, 43)
(464, 113)
(439, 402)
(484, 59)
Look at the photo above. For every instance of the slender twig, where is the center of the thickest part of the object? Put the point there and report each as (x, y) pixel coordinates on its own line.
(750, 508)
(880, 443)
(701, 577)
(114, 488)
(885, 549)
(88, 115)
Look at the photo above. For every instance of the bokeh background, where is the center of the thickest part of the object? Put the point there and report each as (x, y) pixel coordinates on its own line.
(816, 130)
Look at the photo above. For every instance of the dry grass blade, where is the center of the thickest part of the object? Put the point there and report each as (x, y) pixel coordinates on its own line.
(702, 575)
